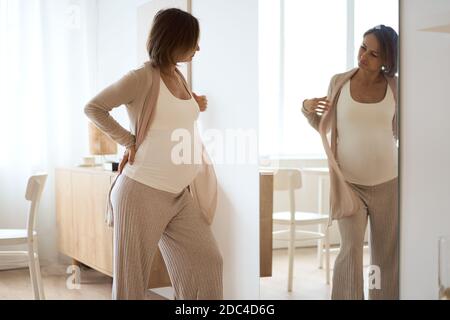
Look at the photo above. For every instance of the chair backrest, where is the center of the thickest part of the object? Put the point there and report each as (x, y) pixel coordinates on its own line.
(35, 187)
(288, 179)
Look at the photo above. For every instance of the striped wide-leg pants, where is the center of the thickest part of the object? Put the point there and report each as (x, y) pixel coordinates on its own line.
(381, 203)
(144, 218)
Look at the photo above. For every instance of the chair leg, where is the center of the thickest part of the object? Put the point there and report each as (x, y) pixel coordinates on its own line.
(32, 266)
(327, 254)
(38, 272)
(320, 249)
(291, 251)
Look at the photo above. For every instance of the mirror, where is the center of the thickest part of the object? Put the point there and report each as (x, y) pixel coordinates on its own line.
(328, 148)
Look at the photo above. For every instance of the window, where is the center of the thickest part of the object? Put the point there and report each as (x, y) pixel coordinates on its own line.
(369, 13)
(302, 45)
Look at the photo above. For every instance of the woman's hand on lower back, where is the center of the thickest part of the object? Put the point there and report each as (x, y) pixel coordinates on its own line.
(128, 156)
(318, 105)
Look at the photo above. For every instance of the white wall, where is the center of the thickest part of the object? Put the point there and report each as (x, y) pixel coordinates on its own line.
(117, 36)
(226, 70)
(425, 152)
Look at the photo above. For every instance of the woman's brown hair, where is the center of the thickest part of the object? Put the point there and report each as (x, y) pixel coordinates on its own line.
(388, 40)
(173, 32)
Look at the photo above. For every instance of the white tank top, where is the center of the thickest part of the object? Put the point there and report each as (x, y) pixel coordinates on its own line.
(160, 162)
(367, 151)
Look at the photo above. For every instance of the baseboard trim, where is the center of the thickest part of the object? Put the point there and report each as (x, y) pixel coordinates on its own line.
(10, 263)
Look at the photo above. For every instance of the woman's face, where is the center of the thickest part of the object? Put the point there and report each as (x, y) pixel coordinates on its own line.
(369, 56)
(187, 56)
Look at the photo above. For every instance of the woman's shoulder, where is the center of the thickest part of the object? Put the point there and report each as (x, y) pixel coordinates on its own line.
(341, 78)
(137, 79)
(393, 79)
(392, 84)
(144, 71)
(345, 74)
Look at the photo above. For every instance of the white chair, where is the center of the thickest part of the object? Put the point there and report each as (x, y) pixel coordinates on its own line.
(28, 236)
(291, 180)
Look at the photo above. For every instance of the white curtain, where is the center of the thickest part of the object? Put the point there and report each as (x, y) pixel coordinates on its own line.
(47, 74)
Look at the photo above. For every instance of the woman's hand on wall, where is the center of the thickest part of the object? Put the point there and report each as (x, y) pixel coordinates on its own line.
(317, 105)
(202, 102)
(128, 156)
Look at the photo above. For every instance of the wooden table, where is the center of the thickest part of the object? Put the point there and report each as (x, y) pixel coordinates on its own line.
(265, 222)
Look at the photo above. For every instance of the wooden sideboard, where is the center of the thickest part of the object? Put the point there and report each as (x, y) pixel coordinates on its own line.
(83, 235)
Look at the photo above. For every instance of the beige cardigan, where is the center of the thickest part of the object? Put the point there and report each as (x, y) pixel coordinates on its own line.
(138, 90)
(343, 200)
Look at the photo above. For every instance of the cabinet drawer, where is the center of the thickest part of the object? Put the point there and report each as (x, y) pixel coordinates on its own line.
(64, 212)
(81, 196)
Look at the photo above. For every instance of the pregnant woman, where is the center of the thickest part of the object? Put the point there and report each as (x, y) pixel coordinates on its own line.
(158, 199)
(360, 112)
